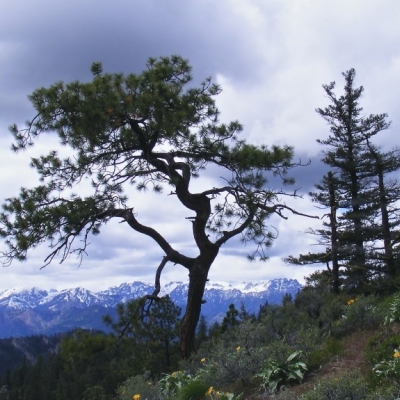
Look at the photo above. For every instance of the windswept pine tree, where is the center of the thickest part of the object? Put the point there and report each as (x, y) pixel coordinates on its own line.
(153, 130)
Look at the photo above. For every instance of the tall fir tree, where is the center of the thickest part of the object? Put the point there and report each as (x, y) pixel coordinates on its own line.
(358, 232)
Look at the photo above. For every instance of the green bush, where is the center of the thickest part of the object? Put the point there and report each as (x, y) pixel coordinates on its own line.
(274, 374)
(194, 389)
(226, 362)
(393, 313)
(382, 346)
(331, 347)
(171, 383)
(94, 393)
(358, 314)
(348, 385)
(140, 385)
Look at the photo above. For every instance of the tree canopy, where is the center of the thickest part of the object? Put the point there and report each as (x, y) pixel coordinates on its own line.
(158, 130)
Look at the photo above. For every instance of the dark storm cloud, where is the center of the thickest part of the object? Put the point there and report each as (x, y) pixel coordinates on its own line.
(307, 176)
(60, 40)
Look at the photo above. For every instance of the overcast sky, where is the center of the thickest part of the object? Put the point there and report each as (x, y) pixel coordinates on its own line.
(271, 58)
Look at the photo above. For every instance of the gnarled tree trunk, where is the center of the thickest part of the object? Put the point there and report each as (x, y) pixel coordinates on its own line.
(197, 282)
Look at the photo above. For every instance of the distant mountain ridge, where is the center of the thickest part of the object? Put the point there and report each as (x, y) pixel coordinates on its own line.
(26, 311)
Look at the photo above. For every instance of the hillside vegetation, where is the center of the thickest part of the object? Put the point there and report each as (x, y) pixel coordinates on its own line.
(318, 345)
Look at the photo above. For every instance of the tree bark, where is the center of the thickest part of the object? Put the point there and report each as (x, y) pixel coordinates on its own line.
(386, 234)
(197, 282)
(334, 238)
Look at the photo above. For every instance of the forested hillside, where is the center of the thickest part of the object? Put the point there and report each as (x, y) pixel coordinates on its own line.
(307, 345)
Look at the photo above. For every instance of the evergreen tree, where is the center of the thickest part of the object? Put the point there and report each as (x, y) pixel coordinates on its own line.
(231, 318)
(153, 335)
(336, 251)
(387, 219)
(157, 130)
(345, 151)
(202, 328)
(361, 213)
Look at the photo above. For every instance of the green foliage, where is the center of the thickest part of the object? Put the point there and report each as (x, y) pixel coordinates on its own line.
(94, 359)
(383, 352)
(141, 385)
(349, 385)
(234, 357)
(231, 318)
(319, 355)
(274, 375)
(180, 385)
(202, 331)
(359, 314)
(129, 121)
(361, 219)
(94, 393)
(389, 368)
(152, 329)
(94, 365)
(171, 383)
(382, 346)
(393, 314)
(194, 389)
(212, 394)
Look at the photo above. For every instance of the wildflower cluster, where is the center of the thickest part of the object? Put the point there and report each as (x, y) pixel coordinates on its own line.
(217, 395)
(171, 383)
(389, 368)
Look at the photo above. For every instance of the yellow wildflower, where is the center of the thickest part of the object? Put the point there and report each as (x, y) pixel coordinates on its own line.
(203, 360)
(136, 397)
(210, 390)
(396, 354)
(350, 302)
(238, 348)
(173, 374)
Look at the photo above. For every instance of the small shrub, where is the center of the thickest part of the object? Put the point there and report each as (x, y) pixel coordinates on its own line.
(390, 367)
(275, 375)
(332, 347)
(349, 385)
(194, 389)
(94, 393)
(171, 383)
(216, 395)
(382, 347)
(227, 363)
(390, 391)
(140, 385)
(358, 314)
(393, 314)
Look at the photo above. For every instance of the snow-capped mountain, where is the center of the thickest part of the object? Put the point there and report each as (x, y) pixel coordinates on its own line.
(25, 311)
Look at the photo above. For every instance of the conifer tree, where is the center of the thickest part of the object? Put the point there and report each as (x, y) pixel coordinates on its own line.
(153, 130)
(361, 213)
